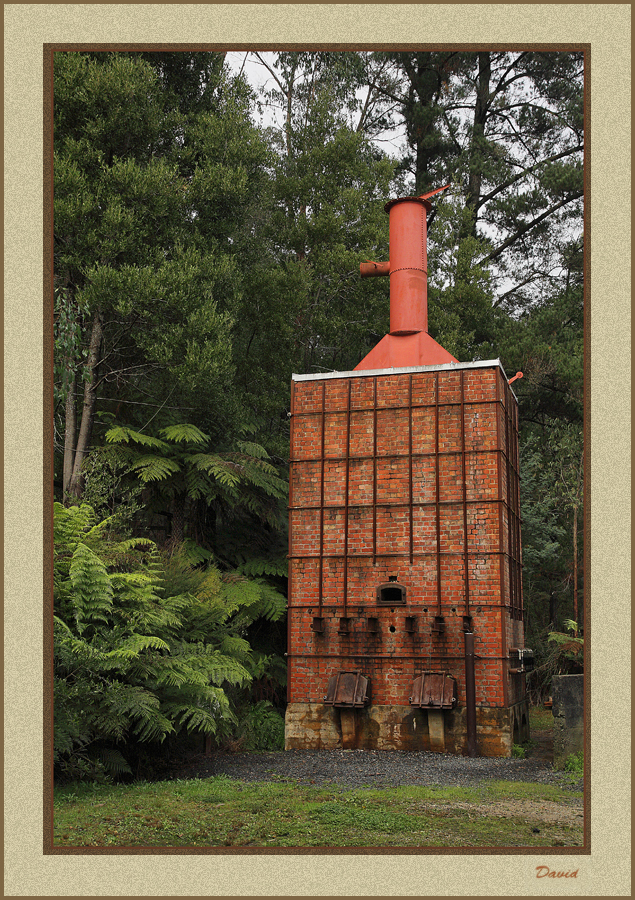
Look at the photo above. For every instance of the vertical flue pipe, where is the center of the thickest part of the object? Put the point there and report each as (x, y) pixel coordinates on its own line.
(470, 694)
(408, 265)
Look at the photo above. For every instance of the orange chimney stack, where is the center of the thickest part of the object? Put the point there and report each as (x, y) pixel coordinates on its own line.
(408, 343)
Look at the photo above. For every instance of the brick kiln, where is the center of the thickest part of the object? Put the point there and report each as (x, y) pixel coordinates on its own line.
(405, 604)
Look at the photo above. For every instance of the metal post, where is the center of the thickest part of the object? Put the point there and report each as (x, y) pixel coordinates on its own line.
(470, 694)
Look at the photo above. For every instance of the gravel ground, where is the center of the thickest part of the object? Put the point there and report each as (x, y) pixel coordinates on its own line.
(371, 768)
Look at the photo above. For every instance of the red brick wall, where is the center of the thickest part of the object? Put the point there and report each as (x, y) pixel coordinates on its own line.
(365, 481)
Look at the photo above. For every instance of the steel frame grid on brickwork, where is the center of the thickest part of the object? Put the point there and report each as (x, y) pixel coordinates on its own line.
(504, 606)
(464, 491)
(437, 494)
(512, 500)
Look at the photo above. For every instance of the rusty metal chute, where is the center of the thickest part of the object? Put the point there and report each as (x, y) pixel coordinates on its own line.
(434, 690)
(348, 690)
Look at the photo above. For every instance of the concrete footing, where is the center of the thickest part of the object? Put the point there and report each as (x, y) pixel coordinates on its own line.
(314, 726)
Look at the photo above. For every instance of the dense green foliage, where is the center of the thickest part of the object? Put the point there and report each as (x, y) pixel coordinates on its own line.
(201, 258)
(145, 645)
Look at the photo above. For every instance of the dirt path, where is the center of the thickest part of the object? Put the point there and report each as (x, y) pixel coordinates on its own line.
(543, 744)
(544, 811)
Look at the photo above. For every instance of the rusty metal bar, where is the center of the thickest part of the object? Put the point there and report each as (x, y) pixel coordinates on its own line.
(512, 515)
(410, 508)
(442, 403)
(519, 560)
(516, 497)
(397, 555)
(510, 568)
(322, 444)
(464, 481)
(501, 576)
(470, 694)
(437, 490)
(374, 470)
(514, 511)
(417, 606)
(518, 517)
(415, 656)
(289, 554)
(417, 503)
(348, 449)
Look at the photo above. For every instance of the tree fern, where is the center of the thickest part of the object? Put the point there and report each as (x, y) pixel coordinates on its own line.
(155, 468)
(145, 644)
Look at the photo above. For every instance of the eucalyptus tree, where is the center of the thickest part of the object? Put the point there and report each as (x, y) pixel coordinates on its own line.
(155, 167)
(306, 309)
(507, 127)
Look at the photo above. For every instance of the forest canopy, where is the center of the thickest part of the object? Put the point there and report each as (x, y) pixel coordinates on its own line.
(204, 252)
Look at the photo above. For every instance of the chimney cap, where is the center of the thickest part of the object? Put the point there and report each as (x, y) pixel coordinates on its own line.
(422, 198)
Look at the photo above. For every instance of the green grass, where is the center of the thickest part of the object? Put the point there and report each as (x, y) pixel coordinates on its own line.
(540, 718)
(219, 812)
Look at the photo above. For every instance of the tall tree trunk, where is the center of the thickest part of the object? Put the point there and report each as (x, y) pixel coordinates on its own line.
(76, 485)
(553, 608)
(178, 519)
(70, 436)
(477, 144)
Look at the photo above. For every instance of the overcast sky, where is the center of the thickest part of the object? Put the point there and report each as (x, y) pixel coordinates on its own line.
(392, 143)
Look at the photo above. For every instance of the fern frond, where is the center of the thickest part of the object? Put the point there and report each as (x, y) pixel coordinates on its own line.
(184, 433)
(193, 553)
(91, 584)
(251, 449)
(112, 761)
(234, 646)
(254, 568)
(226, 472)
(119, 434)
(155, 468)
(135, 645)
(137, 543)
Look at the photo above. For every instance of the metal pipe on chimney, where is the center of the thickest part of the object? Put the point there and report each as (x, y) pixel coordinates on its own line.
(408, 266)
(408, 343)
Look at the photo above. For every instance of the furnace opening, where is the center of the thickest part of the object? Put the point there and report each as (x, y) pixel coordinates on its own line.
(391, 594)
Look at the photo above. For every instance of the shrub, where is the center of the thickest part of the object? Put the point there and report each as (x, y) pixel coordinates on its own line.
(575, 763)
(261, 728)
(134, 661)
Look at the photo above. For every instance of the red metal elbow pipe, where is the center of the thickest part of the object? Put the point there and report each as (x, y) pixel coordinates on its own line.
(373, 269)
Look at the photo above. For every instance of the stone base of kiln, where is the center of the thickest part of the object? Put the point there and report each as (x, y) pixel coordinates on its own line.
(314, 726)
